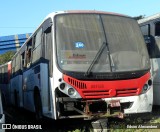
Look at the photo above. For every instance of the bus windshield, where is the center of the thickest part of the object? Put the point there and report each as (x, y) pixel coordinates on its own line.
(79, 37)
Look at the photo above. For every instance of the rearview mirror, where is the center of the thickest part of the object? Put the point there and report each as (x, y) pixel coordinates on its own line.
(147, 39)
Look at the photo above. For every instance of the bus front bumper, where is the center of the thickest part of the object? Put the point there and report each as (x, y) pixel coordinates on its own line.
(135, 104)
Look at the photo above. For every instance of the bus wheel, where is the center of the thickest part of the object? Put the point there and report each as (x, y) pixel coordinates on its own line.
(4, 104)
(38, 105)
(15, 99)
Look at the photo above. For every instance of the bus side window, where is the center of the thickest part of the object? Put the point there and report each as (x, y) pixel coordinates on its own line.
(37, 42)
(147, 37)
(157, 29)
(28, 56)
(23, 60)
(13, 66)
(146, 33)
(145, 30)
(28, 53)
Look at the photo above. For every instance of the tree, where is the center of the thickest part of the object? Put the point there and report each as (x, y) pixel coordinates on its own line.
(139, 17)
(6, 57)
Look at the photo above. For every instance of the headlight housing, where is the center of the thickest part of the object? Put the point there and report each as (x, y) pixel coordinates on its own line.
(71, 91)
(68, 90)
(147, 86)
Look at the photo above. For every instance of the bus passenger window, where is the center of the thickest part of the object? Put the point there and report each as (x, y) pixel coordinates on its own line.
(23, 60)
(145, 30)
(157, 29)
(28, 58)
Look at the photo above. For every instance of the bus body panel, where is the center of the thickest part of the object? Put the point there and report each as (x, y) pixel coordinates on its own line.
(29, 82)
(101, 89)
(122, 91)
(156, 80)
(4, 83)
(150, 30)
(16, 91)
(156, 75)
(141, 104)
(2, 118)
(36, 77)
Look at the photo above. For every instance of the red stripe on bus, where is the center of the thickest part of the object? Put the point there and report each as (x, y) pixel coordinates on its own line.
(107, 89)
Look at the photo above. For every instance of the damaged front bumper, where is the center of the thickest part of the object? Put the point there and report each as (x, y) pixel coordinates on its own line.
(107, 107)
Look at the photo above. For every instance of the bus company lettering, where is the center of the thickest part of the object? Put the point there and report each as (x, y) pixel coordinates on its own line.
(97, 86)
(77, 56)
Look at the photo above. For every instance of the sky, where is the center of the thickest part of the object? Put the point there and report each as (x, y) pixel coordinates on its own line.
(20, 17)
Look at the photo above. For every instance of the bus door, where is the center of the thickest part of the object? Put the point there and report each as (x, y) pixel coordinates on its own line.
(46, 70)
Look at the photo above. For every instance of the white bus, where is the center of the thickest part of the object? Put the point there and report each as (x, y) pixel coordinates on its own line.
(5, 72)
(150, 27)
(87, 64)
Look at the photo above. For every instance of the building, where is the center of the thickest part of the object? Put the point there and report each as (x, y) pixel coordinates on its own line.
(12, 42)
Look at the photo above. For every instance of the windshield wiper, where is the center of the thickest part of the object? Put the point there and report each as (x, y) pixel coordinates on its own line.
(97, 57)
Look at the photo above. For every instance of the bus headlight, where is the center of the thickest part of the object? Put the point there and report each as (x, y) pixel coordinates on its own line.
(68, 90)
(147, 86)
(71, 91)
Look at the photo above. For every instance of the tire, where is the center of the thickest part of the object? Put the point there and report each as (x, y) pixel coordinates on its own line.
(4, 104)
(15, 99)
(38, 105)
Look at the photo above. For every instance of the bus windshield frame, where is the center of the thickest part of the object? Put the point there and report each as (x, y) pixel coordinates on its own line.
(79, 38)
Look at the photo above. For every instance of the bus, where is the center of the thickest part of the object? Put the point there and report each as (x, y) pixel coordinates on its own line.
(150, 27)
(5, 75)
(83, 64)
(5, 72)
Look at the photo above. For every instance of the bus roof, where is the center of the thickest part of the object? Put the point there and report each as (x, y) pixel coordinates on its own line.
(94, 11)
(153, 17)
(84, 11)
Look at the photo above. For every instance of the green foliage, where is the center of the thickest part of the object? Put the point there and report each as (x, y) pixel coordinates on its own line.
(6, 57)
(139, 17)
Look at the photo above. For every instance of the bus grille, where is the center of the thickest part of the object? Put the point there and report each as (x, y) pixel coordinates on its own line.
(106, 93)
(127, 92)
(77, 84)
(101, 93)
(96, 93)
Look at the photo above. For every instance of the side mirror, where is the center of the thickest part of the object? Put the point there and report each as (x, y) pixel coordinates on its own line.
(147, 39)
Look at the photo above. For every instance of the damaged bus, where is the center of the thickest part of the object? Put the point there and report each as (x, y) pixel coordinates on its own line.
(87, 64)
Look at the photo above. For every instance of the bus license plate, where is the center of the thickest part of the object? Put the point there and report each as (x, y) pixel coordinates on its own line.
(115, 103)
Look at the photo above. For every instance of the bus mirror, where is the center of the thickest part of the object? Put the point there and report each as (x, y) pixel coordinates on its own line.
(147, 39)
